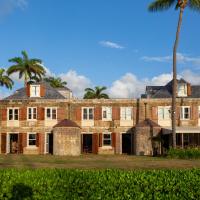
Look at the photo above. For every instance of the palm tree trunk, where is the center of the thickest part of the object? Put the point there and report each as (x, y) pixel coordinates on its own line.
(174, 90)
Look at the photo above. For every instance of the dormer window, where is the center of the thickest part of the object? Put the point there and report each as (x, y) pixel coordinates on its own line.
(35, 91)
(182, 89)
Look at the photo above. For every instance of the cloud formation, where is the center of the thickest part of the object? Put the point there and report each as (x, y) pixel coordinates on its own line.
(182, 58)
(110, 44)
(8, 6)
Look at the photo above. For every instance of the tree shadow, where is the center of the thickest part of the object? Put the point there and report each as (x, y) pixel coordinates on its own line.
(21, 191)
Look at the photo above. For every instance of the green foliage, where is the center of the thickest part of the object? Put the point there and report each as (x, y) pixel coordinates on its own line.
(5, 80)
(190, 153)
(105, 184)
(96, 93)
(55, 82)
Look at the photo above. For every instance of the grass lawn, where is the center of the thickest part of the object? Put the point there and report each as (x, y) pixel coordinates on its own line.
(95, 162)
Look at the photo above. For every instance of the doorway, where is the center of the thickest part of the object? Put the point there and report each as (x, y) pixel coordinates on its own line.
(49, 143)
(87, 143)
(14, 143)
(126, 143)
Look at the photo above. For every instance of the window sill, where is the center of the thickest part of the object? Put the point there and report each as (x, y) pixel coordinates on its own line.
(106, 147)
(31, 147)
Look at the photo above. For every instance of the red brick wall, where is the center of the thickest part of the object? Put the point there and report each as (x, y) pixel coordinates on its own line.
(4, 114)
(189, 89)
(154, 113)
(40, 113)
(116, 113)
(42, 90)
(23, 113)
(3, 142)
(28, 90)
(98, 113)
(40, 142)
(22, 141)
(78, 114)
(95, 143)
(61, 112)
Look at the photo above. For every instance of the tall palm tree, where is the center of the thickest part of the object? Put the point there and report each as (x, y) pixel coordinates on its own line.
(95, 93)
(55, 82)
(160, 5)
(5, 80)
(26, 67)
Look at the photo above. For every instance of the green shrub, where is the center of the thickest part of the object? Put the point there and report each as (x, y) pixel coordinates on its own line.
(106, 184)
(190, 153)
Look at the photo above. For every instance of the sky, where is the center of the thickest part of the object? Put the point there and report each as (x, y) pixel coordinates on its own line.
(88, 43)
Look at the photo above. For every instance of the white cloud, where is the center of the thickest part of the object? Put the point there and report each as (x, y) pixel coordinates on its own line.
(110, 44)
(182, 58)
(191, 77)
(77, 83)
(7, 6)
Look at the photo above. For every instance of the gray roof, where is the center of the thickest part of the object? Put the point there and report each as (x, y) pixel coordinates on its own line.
(50, 93)
(166, 91)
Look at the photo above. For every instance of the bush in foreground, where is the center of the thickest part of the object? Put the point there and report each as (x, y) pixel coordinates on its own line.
(190, 153)
(105, 184)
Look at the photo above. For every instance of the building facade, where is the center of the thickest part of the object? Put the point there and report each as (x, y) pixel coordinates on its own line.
(39, 119)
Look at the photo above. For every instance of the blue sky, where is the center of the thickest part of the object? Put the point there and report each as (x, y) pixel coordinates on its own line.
(115, 43)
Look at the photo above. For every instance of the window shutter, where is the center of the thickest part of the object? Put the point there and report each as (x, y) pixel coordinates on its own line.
(24, 139)
(113, 140)
(41, 143)
(95, 143)
(100, 139)
(3, 142)
(20, 145)
(116, 113)
(78, 114)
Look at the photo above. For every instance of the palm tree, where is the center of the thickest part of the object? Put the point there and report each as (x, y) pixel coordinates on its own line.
(26, 67)
(95, 93)
(55, 82)
(160, 5)
(5, 80)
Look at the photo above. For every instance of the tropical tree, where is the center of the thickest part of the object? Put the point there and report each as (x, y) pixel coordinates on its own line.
(95, 93)
(55, 82)
(5, 80)
(161, 5)
(26, 67)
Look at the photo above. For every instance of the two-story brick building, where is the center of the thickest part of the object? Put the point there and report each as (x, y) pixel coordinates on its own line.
(39, 119)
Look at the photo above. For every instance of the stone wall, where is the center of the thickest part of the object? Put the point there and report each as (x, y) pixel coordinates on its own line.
(66, 141)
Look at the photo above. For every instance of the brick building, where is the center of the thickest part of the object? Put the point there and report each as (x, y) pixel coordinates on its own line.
(40, 119)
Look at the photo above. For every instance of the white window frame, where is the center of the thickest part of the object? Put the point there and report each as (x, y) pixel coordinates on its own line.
(182, 92)
(36, 92)
(166, 112)
(32, 113)
(51, 113)
(88, 115)
(107, 145)
(124, 116)
(108, 111)
(13, 113)
(182, 112)
(31, 146)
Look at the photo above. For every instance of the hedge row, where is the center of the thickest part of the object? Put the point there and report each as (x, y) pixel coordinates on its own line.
(190, 153)
(106, 184)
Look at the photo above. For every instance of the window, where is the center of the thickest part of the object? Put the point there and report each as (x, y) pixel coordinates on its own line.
(182, 89)
(88, 113)
(32, 139)
(32, 113)
(51, 113)
(164, 112)
(185, 112)
(35, 91)
(13, 114)
(126, 113)
(107, 141)
(106, 113)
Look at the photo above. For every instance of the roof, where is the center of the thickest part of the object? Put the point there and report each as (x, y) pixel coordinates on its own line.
(147, 123)
(67, 123)
(50, 93)
(166, 91)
